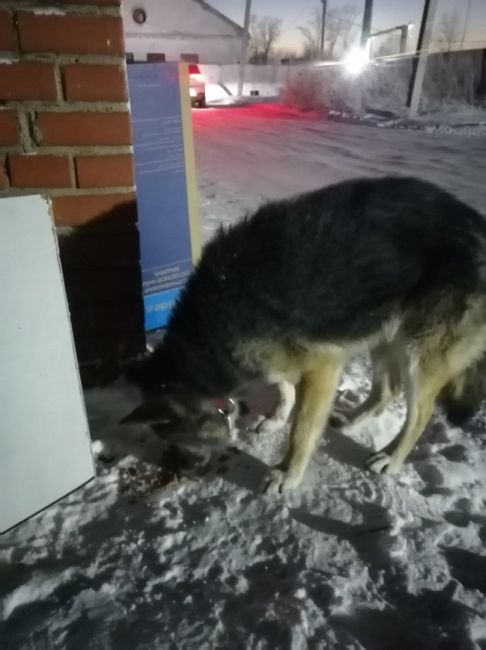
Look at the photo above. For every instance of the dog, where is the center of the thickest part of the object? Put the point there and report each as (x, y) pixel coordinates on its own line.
(395, 266)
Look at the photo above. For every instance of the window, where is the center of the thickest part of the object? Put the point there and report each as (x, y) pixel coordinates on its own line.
(129, 57)
(190, 58)
(153, 57)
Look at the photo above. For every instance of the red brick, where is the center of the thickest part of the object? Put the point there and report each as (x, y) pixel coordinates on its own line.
(105, 171)
(39, 171)
(101, 3)
(23, 81)
(79, 34)
(77, 210)
(84, 129)
(9, 128)
(3, 176)
(90, 248)
(92, 83)
(8, 40)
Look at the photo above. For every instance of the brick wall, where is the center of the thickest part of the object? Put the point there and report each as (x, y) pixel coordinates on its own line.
(65, 131)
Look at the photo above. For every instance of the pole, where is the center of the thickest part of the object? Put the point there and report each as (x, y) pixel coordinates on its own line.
(466, 22)
(366, 28)
(403, 38)
(420, 60)
(244, 48)
(323, 28)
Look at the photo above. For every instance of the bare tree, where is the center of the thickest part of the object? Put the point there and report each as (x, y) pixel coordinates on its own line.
(264, 33)
(448, 32)
(340, 23)
(311, 33)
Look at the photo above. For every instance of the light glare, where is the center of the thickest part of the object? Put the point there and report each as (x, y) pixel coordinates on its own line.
(356, 61)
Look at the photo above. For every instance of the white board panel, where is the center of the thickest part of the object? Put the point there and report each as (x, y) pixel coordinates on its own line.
(44, 439)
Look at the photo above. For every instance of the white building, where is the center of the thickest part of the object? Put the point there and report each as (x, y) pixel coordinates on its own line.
(179, 30)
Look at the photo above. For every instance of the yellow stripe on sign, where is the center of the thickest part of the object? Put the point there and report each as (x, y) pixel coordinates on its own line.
(190, 162)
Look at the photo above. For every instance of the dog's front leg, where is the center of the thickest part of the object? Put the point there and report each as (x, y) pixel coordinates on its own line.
(315, 395)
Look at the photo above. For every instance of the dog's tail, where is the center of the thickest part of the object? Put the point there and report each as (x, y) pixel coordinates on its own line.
(461, 398)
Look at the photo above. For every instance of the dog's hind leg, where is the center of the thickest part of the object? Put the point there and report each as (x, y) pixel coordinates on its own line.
(385, 386)
(439, 360)
(283, 408)
(461, 398)
(421, 386)
(314, 398)
(423, 381)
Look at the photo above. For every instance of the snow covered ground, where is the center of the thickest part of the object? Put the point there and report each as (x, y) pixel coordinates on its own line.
(174, 549)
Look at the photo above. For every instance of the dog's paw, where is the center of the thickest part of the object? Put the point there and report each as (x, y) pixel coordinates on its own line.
(270, 425)
(382, 463)
(280, 482)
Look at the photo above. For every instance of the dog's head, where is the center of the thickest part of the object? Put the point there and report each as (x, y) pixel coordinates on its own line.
(170, 406)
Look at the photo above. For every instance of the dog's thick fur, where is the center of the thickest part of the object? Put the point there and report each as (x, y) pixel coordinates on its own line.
(393, 265)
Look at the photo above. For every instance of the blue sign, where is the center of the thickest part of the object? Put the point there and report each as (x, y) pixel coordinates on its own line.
(166, 183)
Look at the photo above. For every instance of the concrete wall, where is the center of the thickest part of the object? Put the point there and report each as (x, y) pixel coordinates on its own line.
(176, 27)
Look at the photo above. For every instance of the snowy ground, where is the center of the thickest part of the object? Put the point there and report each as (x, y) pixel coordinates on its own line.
(168, 549)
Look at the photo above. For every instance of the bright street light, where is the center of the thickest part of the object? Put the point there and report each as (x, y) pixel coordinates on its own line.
(356, 60)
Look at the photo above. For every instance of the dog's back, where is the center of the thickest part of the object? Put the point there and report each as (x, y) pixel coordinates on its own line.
(336, 263)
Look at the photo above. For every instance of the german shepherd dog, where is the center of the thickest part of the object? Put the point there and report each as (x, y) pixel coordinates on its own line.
(394, 265)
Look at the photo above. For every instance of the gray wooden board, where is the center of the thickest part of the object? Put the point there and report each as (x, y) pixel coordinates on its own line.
(45, 449)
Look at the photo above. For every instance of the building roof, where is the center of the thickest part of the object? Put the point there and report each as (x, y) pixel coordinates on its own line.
(207, 7)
